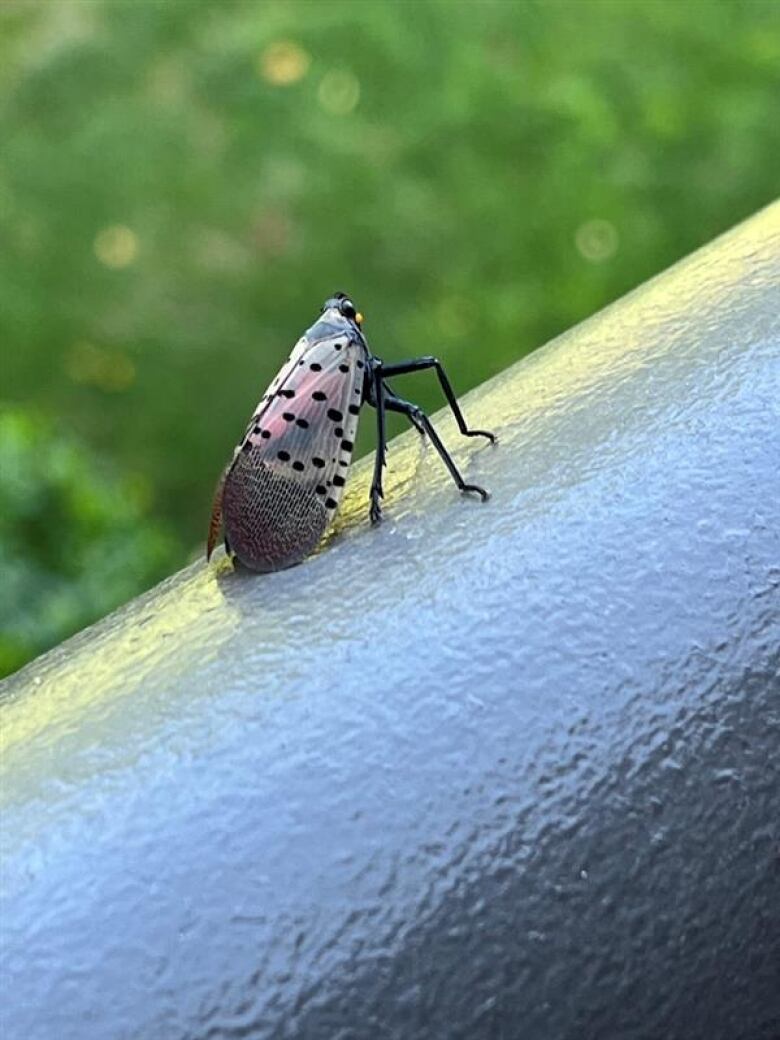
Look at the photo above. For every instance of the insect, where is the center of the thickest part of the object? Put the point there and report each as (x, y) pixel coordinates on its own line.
(282, 488)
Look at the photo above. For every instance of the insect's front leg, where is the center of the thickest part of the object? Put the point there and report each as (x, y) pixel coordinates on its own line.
(403, 368)
(391, 395)
(377, 399)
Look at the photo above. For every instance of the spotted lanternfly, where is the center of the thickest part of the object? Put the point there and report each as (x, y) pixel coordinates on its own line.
(282, 489)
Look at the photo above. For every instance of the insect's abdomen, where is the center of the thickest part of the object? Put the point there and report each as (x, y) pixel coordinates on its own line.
(271, 520)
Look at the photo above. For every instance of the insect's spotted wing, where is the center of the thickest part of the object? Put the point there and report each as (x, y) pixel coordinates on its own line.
(307, 423)
(287, 478)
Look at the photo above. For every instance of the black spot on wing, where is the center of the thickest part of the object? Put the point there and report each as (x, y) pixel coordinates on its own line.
(311, 442)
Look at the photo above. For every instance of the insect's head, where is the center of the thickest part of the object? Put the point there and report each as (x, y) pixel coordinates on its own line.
(343, 304)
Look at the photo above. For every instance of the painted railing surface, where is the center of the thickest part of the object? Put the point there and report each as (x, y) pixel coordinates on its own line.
(501, 770)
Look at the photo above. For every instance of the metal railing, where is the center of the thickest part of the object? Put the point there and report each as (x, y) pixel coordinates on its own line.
(490, 770)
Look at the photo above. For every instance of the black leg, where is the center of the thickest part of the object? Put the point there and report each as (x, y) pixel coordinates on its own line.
(421, 420)
(390, 393)
(378, 399)
(420, 365)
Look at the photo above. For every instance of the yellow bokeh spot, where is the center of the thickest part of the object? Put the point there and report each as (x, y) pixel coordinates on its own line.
(283, 63)
(339, 92)
(108, 370)
(597, 240)
(455, 317)
(116, 246)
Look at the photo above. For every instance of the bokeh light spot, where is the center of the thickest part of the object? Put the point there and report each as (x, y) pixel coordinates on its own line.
(454, 317)
(597, 240)
(339, 92)
(109, 370)
(272, 233)
(283, 63)
(116, 246)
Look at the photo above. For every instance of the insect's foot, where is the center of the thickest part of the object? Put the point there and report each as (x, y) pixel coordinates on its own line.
(483, 433)
(475, 489)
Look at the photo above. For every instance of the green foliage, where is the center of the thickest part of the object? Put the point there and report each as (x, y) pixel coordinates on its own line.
(74, 543)
(181, 184)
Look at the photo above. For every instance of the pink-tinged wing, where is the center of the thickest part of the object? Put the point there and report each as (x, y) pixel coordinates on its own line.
(288, 475)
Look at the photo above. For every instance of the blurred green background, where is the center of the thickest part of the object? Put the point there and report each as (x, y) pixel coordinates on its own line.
(181, 184)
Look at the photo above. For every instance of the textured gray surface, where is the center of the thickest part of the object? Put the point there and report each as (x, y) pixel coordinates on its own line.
(503, 770)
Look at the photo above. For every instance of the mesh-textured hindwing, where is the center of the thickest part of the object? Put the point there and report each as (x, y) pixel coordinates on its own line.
(271, 519)
(288, 476)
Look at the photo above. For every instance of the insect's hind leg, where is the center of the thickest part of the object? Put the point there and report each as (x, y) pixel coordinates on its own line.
(415, 414)
(421, 364)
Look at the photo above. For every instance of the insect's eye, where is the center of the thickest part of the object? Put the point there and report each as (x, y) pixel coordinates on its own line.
(347, 309)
